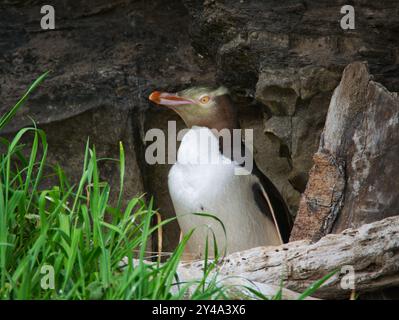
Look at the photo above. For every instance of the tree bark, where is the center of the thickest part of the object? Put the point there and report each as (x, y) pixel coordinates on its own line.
(354, 179)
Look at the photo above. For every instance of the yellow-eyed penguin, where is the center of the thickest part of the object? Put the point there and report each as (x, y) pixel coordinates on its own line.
(204, 179)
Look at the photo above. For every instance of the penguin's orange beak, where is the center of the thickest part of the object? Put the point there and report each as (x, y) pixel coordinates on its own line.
(168, 99)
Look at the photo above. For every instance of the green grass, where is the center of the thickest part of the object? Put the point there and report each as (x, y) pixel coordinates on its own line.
(62, 233)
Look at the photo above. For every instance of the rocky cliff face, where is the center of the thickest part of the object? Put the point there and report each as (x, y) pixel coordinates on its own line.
(281, 60)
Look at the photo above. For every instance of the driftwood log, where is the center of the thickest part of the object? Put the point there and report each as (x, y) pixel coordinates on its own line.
(371, 251)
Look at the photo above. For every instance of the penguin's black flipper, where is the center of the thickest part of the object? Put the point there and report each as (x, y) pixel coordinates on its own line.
(281, 212)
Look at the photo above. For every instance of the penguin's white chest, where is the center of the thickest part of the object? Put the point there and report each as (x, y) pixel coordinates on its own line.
(201, 174)
(204, 181)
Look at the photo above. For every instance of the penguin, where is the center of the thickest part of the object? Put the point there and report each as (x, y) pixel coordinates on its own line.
(211, 192)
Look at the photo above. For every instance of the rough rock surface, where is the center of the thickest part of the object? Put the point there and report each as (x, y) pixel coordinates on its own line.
(281, 59)
(353, 180)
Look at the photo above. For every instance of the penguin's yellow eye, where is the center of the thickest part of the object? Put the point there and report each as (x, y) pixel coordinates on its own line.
(205, 99)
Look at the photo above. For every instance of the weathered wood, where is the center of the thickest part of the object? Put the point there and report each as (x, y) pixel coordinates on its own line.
(372, 251)
(236, 286)
(354, 177)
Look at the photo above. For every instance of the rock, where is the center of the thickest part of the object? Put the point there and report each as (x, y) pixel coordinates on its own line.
(103, 128)
(280, 89)
(293, 54)
(280, 127)
(307, 125)
(105, 58)
(269, 156)
(282, 59)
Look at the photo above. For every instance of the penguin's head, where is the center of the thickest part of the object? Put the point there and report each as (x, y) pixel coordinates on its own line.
(201, 106)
